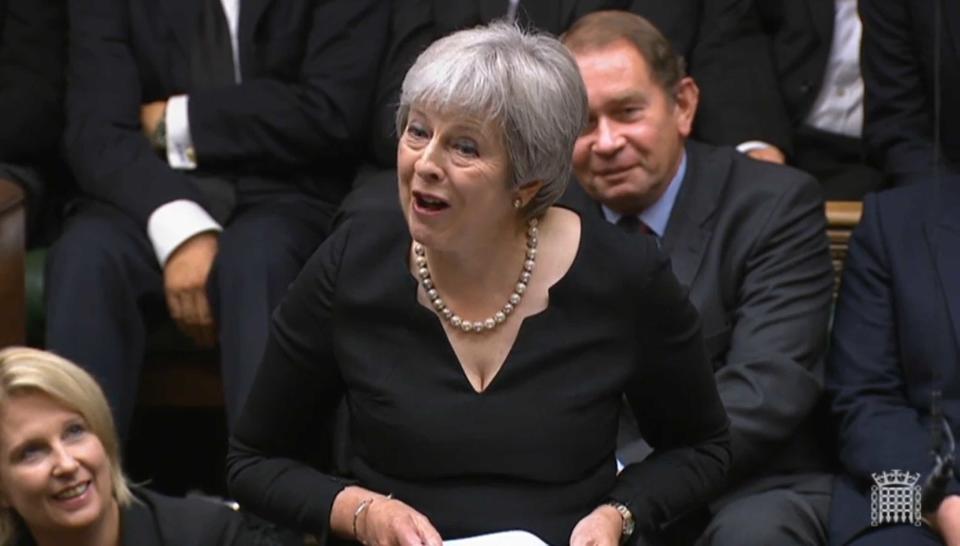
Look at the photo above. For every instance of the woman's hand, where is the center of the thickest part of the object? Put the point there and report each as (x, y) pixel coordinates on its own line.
(382, 521)
(601, 527)
(389, 522)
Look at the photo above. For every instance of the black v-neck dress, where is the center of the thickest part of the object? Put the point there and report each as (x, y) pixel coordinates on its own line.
(535, 450)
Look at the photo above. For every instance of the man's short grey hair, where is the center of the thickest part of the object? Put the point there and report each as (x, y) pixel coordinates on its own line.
(525, 82)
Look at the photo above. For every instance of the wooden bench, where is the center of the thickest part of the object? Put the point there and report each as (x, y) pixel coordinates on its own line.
(12, 248)
(842, 217)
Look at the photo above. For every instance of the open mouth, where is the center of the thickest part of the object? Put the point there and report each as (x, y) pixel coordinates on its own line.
(429, 203)
(73, 492)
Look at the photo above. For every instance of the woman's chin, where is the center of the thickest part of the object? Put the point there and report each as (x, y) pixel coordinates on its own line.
(82, 511)
(423, 230)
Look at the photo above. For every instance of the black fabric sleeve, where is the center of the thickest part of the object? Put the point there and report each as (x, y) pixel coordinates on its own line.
(298, 387)
(897, 114)
(732, 63)
(32, 63)
(679, 413)
(320, 113)
(772, 377)
(104, 144)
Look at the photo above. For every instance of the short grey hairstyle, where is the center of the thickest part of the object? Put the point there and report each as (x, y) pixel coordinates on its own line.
(526, 82)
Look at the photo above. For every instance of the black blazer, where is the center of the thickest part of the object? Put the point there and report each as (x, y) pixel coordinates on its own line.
(157, 520)
(896, 338)
(33, 39)
(749, 240)
(307, 67)
(724, 47)
(801, 32)
(728, 55)
(898, 76)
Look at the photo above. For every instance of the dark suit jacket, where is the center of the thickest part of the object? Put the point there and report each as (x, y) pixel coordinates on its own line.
(800, 33)
(749, 239)
(307, 68)
(721, 40)
(897, 59)
(33, 37)
(415, 24)
(896, 337)
(158, 520)
(727, 54)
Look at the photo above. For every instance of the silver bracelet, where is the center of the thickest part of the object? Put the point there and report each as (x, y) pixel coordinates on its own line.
(364, 504)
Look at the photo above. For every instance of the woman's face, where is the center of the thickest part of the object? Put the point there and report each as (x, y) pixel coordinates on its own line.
(453, 179)
(54, 472)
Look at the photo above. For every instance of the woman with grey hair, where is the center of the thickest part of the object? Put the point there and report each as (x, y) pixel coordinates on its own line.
(484, 338)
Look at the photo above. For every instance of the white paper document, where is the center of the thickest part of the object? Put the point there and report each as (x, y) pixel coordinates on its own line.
(505, 538)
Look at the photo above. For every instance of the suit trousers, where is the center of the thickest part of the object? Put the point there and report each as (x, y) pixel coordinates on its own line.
(838, 162)
(105, 290)
(795, 514)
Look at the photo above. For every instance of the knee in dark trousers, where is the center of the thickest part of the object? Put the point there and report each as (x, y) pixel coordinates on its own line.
(100, 273)
(898, 535)
(261, 252)
(778, 516)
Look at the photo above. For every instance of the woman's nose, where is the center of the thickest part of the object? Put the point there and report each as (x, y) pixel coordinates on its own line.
(64, 461)
(428, 164)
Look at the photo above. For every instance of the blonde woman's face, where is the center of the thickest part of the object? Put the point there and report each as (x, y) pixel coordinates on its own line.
(54, 472)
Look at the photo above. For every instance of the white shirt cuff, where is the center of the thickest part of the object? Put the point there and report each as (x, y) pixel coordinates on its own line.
(180, 152)
(175, 222)
(750, 145)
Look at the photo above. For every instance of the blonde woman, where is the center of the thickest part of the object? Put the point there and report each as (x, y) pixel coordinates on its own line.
(61, 482)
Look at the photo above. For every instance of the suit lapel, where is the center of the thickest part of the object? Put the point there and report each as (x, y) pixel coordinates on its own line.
(943, 236)
(951, 16)
(822, 12)
(250, 13)
(687, 231)
(182, 16)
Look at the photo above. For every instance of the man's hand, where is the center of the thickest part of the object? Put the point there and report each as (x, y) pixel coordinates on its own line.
(185, 284)
(150, 115)
(601, 527)
(946, 522)
(771, 154)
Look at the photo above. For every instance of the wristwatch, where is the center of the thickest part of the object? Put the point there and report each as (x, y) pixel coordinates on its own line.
(158, 138)
(626, 529)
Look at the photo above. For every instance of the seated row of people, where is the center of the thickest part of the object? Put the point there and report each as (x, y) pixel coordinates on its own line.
(211, 150)
(635, 163)
(492, 123)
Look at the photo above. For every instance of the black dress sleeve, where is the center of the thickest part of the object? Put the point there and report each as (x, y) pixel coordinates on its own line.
(271, 463)
(674, 396)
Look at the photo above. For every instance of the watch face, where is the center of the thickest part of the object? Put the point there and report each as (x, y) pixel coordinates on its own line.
(628, 523)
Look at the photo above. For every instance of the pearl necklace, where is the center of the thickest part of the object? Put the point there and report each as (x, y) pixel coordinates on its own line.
(500, 316)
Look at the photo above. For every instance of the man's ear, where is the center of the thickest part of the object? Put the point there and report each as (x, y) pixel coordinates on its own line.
(686, 99)
(528, 191)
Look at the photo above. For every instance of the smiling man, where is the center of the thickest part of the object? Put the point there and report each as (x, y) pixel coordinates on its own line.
(748, 239)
